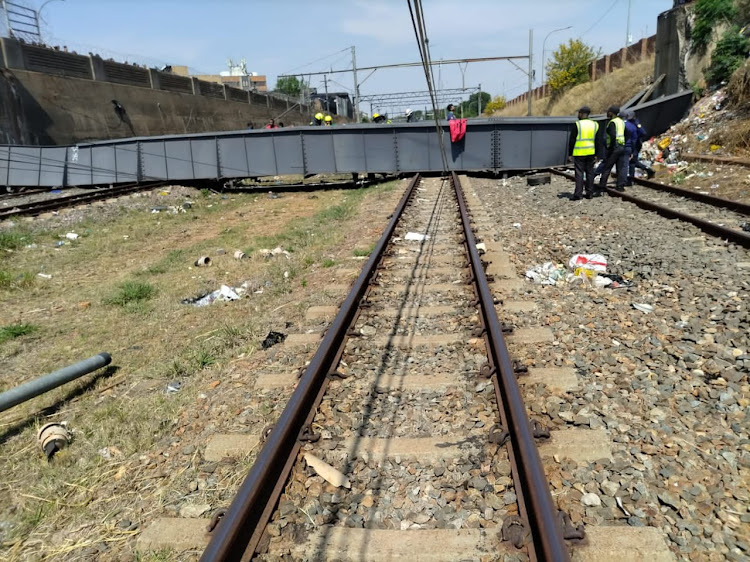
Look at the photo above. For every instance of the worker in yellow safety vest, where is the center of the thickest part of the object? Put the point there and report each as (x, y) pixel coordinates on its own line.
(615, 153)
(582, 149)
(317, 120)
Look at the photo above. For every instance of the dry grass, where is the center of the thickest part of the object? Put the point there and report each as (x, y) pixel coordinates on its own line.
(118, 289)
(615, 88)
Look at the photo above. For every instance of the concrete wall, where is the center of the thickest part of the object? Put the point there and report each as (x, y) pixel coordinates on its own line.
(674, 56)
(49, 97)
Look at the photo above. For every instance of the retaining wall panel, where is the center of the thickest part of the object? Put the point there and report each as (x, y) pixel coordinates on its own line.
(79, 166)
(261, 156)
(320, 154)
(179, 160)
(289, 156)
(205, 158)
(232, 158)
(154, 160)
(350, 151)
(126, 157)
(52, 169)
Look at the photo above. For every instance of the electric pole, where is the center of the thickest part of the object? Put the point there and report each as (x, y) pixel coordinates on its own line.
(627, 30)
(531, 66)
(356, 86)
(325, 81)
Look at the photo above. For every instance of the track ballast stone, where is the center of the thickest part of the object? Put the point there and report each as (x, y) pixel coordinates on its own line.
(671, 387)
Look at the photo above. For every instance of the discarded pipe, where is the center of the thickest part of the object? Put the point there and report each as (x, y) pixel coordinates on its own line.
(45, 383)
(239, 255)
(203, 261)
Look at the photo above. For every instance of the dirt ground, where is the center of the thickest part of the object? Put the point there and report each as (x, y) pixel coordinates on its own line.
(179, 372)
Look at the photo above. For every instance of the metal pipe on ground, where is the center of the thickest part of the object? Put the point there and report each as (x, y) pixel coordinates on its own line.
(45, 383)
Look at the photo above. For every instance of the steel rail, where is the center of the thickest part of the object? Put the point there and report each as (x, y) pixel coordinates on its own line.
(37, 207)
(716, 159)
(735, 206)
(546, 534)
(736, 236)
(241, 529)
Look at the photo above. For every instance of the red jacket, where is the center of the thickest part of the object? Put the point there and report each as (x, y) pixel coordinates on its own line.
(458, 129)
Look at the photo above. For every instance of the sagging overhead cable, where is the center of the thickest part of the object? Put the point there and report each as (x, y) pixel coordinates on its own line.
(420, 32)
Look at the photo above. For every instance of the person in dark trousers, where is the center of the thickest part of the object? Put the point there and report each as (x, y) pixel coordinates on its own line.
(582, 149)
(449, 115)
(634, 136)
(409, 116)
(614, 154)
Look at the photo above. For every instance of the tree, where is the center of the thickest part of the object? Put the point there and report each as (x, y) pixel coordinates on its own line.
(470, 108)
(496, 104)
(569, 66)
(708, 14)
(289, 85)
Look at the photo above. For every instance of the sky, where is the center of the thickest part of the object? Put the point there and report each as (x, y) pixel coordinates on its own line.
(293, 36)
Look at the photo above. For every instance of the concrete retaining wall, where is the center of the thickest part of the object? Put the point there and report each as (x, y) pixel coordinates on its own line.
(50, 97)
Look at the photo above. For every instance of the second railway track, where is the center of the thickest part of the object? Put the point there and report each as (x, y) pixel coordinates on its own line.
(716, 216)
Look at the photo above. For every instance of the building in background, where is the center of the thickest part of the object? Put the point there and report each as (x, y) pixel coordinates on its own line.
(333, 103)
(237, 76)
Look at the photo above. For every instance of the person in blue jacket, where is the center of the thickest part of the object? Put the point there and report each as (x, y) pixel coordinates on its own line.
(634, 136)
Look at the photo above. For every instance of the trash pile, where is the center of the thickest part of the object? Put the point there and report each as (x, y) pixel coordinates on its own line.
(172, 209)
(692, 135)
(586, 269)
(224, 293)
(277, 251)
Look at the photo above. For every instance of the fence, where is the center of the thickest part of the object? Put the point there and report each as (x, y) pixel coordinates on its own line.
(18, 55)
(602, 66)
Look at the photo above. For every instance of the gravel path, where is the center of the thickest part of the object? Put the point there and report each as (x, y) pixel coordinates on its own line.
(671, 387)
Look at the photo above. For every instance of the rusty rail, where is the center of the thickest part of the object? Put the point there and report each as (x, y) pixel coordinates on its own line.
(240, 530)
(716, 159)
(735, 206)
(532, 487)
(734, 235)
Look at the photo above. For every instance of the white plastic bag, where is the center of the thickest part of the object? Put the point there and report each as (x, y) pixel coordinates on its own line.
(595, 262)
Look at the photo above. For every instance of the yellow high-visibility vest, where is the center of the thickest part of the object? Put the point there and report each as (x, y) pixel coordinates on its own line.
(587, 129)
(620, 131)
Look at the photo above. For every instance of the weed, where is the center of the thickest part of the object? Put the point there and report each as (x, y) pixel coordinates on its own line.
(304, 282)
(206, 192)
(10, 280)
(165, 264)
(131, 292)
(679, 178)
(13, 331)
(363, 252)
(203, 358)
(13, 240)
(328, 262)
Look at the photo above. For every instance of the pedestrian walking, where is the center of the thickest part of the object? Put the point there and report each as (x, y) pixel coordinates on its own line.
(582, 149)
(614, 155)
(635, 133)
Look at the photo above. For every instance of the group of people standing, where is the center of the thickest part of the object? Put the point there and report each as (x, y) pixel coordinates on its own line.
(623, 139)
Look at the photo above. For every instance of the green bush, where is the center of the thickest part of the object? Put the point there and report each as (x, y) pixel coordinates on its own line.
(131, 292)
(731, 52)
(13, 331)
(708, 13)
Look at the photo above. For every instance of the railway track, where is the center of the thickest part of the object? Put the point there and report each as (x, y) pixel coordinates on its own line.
(420, 319)
(716, 216)
(57, 203)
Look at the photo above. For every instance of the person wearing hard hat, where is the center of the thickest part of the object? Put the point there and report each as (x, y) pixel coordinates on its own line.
(318, 120)
(328, 121)
(409, 115)
(377, 118)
